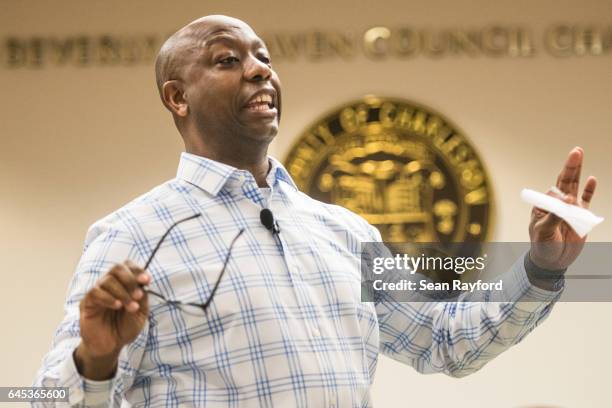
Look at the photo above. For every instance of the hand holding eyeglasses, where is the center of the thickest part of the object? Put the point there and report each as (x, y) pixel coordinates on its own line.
(115, 310)
(112, 314)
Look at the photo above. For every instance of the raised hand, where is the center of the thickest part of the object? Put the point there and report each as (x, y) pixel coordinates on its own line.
(554, 244)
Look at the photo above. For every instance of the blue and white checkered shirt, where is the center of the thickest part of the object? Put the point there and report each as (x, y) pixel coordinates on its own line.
(286, 327)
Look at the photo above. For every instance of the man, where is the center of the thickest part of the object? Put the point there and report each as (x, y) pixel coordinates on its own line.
(185, 298)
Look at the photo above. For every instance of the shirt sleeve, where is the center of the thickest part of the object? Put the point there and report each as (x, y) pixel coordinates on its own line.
(105, 246)
(459, 338)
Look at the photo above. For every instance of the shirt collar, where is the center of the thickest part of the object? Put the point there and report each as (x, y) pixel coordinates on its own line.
(211, 176)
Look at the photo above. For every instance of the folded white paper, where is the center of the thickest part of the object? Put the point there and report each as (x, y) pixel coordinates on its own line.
(580, 219)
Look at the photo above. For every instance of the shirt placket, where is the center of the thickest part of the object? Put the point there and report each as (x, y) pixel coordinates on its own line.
(301, 290)
(304, 300)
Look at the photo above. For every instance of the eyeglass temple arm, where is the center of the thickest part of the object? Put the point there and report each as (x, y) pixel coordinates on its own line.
(164, 237)
(229, 252)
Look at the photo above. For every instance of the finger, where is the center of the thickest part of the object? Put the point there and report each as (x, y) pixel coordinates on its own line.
(556, 193)
(97, 297)
(538, 213)
(589, 190)
(568, 178)
(102, 298)
(111, 284)
(576, 182)
(142, 277)
(124, 274)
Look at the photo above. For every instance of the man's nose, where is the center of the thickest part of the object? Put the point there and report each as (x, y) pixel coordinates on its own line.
(257, 70)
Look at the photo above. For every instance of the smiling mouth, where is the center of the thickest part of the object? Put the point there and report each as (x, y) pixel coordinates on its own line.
(261, 103)
(260, 107)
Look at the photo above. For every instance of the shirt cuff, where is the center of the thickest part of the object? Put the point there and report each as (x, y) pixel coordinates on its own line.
(68, 376)
(80, 389)
(551, 280)
(528, 297)
(97, 392)
(540, 293)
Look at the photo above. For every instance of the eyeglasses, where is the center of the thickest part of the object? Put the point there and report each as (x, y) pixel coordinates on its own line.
(189, 307)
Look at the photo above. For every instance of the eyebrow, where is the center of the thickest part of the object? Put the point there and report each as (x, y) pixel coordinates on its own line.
(224, 37)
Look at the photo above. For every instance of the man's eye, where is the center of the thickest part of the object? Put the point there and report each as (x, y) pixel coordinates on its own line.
(228, 60)
(265, 60)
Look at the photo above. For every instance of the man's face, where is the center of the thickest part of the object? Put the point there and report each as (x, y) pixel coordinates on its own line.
(231, 88)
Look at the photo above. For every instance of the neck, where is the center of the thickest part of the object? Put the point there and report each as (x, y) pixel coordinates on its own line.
(251, 158)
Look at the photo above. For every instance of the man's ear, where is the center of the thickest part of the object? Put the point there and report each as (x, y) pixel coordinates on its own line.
(173, 96)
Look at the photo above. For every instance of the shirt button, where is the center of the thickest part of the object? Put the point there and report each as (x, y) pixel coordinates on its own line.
(316, 332)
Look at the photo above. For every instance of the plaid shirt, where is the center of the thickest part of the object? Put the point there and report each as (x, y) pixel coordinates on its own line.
(286, 327)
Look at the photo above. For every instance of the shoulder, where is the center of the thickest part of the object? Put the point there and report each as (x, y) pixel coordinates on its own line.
(160, 206)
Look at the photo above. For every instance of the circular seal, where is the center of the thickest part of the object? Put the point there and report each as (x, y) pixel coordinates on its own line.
(403, 167)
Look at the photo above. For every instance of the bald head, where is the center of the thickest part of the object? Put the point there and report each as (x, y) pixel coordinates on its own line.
(216, 78)
(178, 50)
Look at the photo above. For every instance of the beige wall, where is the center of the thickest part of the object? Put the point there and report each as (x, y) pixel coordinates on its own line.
(76, 143)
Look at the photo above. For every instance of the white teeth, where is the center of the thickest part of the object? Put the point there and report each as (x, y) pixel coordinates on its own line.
(262, 99)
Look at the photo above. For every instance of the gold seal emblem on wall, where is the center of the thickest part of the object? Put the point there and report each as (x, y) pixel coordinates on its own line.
(403, 167)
